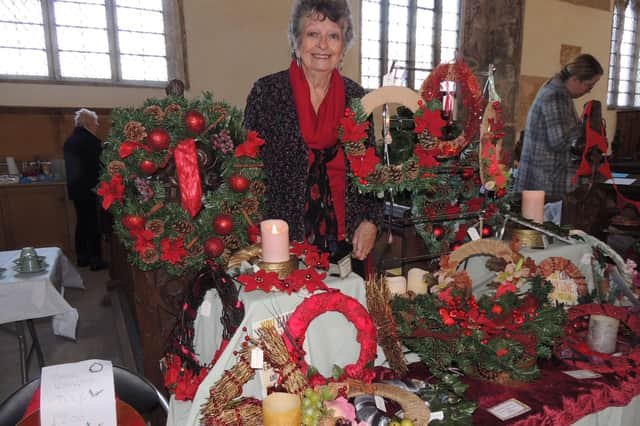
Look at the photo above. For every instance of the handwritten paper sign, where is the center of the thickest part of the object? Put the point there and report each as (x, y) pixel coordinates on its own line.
(78, 394)
(565, 289)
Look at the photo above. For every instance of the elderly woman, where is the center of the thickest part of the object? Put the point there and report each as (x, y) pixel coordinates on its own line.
(297, 112)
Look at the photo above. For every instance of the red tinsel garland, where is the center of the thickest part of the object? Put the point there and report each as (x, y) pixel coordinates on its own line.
(318, 304)
(472, 98)
(575, 352)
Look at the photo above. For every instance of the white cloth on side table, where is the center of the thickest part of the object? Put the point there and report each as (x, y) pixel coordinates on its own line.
(34, 295)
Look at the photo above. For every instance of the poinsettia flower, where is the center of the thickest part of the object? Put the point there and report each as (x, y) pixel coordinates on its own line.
(261, 280)
(173, 250)
(504, 288)
(352, 131)
(317, 260)
(426, 157)
(307, 278)
(143, 240)
(446, 317)
(430, 121)
(364, 165)
(251, 145)
(111, 191)
(303, 248)
(500, 180)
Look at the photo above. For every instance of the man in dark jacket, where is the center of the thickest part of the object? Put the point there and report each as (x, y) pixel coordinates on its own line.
(82, 162)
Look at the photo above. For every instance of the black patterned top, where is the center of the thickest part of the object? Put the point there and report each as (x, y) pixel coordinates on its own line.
(271, 111)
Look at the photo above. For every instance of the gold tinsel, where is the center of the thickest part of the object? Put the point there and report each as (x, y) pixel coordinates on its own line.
(155, 111)
(116, 167)
(156, 226)
(257, 188)
(277, 355)
(135, 131)
(379, 306)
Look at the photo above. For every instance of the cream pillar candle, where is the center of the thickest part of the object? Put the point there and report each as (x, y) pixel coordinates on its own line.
(281, 409)
(275, 240)
(603, 333)
(396, 285)
(533, 205)
(416, 282)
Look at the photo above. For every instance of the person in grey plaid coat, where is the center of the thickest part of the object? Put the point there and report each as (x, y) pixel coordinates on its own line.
(552, 125)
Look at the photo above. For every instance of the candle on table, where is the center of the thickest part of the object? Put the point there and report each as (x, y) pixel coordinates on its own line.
(396, 285)
(275, 240)
(281, 409)
(416, 282)
(533, 205)
(603, 333)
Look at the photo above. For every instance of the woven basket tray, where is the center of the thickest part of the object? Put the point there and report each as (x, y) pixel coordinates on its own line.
(494, 248)
(413, 407)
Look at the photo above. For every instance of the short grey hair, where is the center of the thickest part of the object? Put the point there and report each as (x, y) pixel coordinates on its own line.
(337, 11)
(85, 116)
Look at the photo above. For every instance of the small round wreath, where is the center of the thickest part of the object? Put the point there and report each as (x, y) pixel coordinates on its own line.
(560, 264)
(183, 181)
(319, 304)
(575, 352)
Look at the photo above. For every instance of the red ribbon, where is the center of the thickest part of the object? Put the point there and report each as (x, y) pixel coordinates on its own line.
(129, 147)
(188, 174)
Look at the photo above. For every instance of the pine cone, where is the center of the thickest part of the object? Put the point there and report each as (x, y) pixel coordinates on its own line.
(412, 170)
(155, 111)
(356, 148)
(173, 109)
(195, 250)
(227, 209)
(395, 174)
(135, 131)
(150, 255)
(257, 188)
(250, 206)
(156, 226)
(427, 141)
(116, 167)
(231, 242)
(378, 176)
(183, 227)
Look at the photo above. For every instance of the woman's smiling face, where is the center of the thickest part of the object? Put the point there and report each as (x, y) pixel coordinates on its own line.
(321, 44)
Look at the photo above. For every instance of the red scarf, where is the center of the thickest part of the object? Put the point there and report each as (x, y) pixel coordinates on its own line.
(320, 131)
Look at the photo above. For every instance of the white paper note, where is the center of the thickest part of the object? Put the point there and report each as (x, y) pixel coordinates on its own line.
(582, 374)
(509, 409)
(78, 394)
(621, 181)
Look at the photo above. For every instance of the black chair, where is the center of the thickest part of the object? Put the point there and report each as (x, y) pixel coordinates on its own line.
(130, 387)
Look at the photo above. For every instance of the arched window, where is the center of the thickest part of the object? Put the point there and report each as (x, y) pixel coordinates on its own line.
(624, 82)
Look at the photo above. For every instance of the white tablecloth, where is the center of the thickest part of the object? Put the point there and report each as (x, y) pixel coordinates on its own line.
(29, 296)
(331, 338)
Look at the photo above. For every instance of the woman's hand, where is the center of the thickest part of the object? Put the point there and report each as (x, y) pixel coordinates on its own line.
(363, 240)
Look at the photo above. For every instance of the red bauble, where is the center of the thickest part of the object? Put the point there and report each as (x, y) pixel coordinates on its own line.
(214, 247)
(148, 167)
(486, 231)
(223, 224)
(239, 183)
(132, 222)
(158, 139)
(467, 173)
(438, 232)
(195, 122)
(253, 232)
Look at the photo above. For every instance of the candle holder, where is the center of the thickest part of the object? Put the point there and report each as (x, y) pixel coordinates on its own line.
(283, 269)
(529, 238)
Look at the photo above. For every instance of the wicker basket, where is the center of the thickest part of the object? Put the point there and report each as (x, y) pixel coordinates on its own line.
(413, 407)
(494, 248)
(502, 378)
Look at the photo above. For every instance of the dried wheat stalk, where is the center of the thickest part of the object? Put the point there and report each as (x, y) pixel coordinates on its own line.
(277, 355)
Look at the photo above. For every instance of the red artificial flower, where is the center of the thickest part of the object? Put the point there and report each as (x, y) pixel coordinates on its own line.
(129, 147)
(261, 280)
(507, 287)
(111, 191)
(426, 157)
(143, 244)
(446, 296)
(500, 180)
(430, 121)
(173, 371)
(446, 318)
(496, 309)
(173, 250)
(303, 248)
(352, 131)
(306, 278)
(502, 352)
(317, 260)
(474, 204)
(250, 147)
(363, 165)
(494, 168)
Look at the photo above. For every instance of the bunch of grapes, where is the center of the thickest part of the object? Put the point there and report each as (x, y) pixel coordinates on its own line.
(313, 408)
(222, 141)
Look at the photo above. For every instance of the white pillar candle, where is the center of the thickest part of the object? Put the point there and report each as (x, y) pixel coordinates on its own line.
(416, 282)
(603, 333)
(533, 205)
(281, 409)
(275, 240)
(396, 285)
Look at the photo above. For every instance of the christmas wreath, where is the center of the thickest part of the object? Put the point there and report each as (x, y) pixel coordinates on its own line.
(574, 350)
(318, 304)
(183, 181)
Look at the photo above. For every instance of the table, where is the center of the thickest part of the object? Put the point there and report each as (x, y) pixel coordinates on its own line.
(24, 297)
(331, 339)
